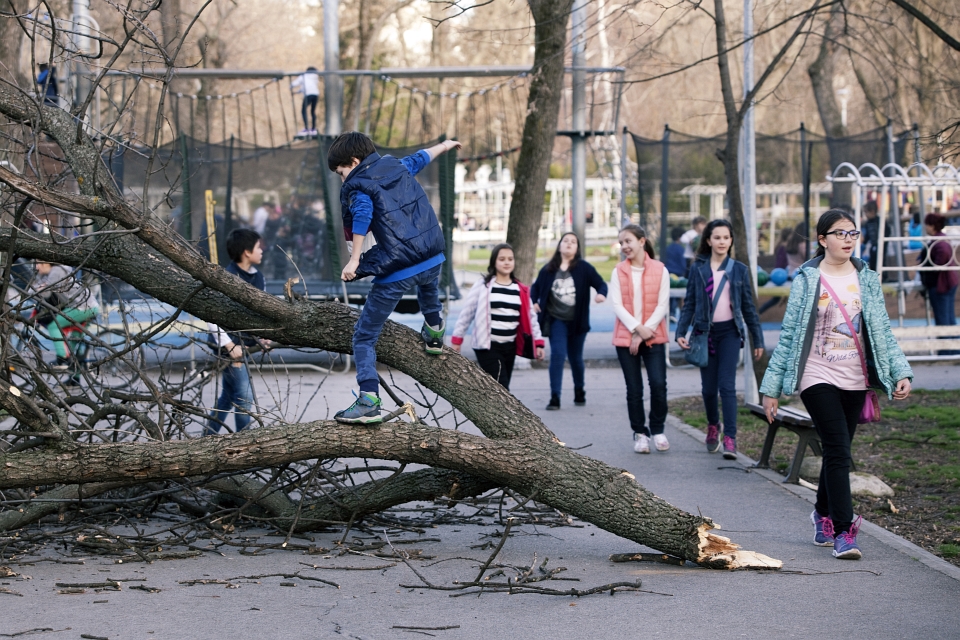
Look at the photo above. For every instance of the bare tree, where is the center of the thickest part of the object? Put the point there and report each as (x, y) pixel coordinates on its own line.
(127, 241)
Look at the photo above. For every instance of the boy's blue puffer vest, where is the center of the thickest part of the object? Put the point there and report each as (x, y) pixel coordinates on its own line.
(404, 224)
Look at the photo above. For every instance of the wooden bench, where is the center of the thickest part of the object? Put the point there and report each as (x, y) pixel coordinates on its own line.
(795, 420)
(923, 343)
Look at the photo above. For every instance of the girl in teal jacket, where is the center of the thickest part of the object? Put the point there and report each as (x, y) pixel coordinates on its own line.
(819, 354)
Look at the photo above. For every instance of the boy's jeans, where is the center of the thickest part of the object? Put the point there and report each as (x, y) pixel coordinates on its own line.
(381, 301)
(236, 397)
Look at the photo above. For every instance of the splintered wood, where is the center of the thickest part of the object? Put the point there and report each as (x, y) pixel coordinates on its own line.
(718, 552)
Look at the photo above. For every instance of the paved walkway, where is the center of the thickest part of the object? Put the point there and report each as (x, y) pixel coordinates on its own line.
(889, 594)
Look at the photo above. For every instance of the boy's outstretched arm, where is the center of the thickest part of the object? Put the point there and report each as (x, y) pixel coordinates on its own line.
(439, 149)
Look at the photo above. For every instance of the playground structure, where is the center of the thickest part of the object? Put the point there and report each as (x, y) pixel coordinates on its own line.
(932, 189)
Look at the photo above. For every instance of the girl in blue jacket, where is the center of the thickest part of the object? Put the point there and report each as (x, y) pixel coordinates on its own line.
(720, 303)
(824, 351)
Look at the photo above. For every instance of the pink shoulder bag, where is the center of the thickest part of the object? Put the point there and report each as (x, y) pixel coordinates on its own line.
(871, 405)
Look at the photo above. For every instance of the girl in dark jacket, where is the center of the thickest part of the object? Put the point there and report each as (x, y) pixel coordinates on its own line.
(562, 301)
(726, 317)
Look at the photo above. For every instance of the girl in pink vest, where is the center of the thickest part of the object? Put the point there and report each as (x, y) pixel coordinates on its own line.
(640, 291)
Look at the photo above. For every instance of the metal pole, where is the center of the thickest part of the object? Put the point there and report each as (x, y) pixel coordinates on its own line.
(624, 214)
(228, 211)
(897, 230)
(749, 187)
(333, 108)
(916, 158)
(805, 173)
(664, 188)
(332, 82)
(579, 143)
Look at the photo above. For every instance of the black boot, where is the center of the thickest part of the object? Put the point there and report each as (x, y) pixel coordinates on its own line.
(579, 397)
(554, 404)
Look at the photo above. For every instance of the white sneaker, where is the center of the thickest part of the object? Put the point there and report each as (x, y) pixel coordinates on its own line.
(641, 443)
(660, 442)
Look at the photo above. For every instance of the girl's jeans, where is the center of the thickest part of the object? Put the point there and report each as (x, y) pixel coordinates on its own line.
(563, 346)
(236, 396)
(654, 358)
(720, 376)
(834, 413)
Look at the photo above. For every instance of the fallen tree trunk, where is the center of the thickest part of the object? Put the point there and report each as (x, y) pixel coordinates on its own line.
(589, 489)
(518, 452)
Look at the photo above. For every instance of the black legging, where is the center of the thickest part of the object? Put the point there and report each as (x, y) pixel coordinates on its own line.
(312, 102)
(835, 413)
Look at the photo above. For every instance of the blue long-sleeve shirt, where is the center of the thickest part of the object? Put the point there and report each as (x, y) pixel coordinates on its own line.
(361, 206)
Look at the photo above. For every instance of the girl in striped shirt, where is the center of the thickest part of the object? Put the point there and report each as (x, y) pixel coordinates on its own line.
(503, 318)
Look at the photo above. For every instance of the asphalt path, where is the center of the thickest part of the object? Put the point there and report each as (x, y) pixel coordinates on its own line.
(894, 592)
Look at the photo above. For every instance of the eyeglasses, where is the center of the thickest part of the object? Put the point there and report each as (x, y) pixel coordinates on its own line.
(840, 234)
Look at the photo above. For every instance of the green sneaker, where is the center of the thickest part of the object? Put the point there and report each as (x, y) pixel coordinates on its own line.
(364, 410)
(432, 338)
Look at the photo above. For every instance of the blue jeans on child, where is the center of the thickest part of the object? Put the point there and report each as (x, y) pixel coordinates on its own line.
(236, 396)
(563, 346)
(381, 301)
(720, 376)
(654, 358)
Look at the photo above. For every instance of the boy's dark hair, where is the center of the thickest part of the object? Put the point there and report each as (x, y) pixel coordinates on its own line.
(348, 146)
(870, 206)
(676, 233)
(241, 240)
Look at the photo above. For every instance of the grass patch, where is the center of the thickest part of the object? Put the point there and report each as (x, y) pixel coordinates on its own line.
(915, 449)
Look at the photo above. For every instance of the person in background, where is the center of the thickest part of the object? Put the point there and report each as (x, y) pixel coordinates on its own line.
(780, 261)
(245, 249)
(561, 295)
(499, 308)
(308, 83)
(640, 292)
(691, 239)
(940, 286)
(47, 81)
(796, 253)
(676, 263)
(63, 301)
(831, 354)
(260, 216)
(719, 303)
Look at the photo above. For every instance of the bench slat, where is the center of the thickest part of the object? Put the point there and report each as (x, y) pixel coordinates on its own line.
(930, 331)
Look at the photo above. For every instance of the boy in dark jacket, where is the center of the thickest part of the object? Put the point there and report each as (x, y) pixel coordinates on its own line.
(381, 196)
(245, 249)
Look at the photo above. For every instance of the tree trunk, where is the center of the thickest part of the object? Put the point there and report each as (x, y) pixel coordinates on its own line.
(822, 72)
(518, 450)
(591, 490)
(539, 131)
(11, 46)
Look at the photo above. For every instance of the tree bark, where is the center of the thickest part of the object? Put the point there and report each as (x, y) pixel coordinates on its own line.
(518, 450)
(591, 490)
(539, 131)
(822, 72)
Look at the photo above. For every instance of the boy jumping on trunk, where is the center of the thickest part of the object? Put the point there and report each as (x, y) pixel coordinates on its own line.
(381, 196)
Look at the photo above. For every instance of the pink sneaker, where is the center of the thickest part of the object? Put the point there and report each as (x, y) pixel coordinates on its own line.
(713, 438)
(729, 448)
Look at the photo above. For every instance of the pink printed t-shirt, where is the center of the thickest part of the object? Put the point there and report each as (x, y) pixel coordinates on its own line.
(722, 311)
(834, 358)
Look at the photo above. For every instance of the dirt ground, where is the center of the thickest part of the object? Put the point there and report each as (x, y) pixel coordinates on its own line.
(915, 449)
